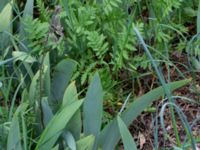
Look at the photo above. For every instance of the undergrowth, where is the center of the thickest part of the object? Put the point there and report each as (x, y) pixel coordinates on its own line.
(76, 74)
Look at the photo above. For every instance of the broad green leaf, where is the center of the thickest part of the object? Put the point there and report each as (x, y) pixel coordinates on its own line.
(93, 107)
(55, 148)
(110, 135)
(14, 136)
(62, 75)
(5, 17)
(56, 125)
(28, 10)
(24, 96)
(70, 94)
(5, 24)
(23, 56)
(75, 124)
(85, 143)
(127, 139)
(3, 4)
(70, 140)
(46, 111)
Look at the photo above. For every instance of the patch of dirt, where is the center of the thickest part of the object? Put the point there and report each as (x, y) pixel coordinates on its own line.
(144, 127)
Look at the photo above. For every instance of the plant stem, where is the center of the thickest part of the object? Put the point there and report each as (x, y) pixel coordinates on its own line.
(162, 80)
(41, 88)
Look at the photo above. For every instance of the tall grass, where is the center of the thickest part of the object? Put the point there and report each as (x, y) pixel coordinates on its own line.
(41, 106)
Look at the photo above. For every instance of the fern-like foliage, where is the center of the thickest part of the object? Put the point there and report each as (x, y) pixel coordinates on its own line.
(110, 5)
(44, 36)
(44, 13)
(97, 43)
(87, 74)
(100, 33)
(125, 46)
(37, 33)
(164, 7)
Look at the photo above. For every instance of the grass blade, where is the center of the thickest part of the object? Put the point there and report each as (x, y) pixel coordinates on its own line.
(162, 81)
(33, 90)
(127, 139)
(3, 62)
(110, 134)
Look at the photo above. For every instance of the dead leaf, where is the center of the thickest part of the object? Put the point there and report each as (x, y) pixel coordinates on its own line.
(142, 140)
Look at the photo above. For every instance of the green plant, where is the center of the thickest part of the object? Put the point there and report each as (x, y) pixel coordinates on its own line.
(52, 122)
(49, 44)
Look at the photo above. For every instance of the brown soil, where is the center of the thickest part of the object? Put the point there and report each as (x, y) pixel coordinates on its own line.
(143, 128)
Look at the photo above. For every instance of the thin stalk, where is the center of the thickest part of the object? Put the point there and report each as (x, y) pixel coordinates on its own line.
(183, 120)
(41, 88)
(24, 131)
(13, 101)
(162, 81)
